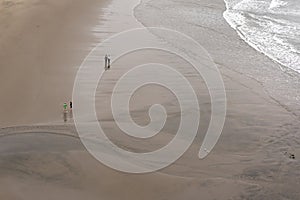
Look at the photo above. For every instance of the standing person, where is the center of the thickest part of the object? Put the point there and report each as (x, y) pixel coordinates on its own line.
(71, 110)
(65, 106)
(106, 62)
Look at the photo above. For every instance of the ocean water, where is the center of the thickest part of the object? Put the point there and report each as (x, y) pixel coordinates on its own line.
(270, 26)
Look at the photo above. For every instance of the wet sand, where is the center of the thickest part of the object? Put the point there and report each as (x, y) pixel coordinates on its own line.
(45, 165)
(49, 162)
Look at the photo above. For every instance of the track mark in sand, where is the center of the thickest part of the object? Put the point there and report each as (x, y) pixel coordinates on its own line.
(62, 130)
(39, 132)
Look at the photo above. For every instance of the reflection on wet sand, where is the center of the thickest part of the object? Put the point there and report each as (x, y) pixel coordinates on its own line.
(67, 115)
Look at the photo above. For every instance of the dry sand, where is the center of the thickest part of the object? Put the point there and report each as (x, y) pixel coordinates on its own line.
(42, 43)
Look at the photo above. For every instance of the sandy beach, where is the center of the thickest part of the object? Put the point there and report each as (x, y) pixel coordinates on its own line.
(42, 45)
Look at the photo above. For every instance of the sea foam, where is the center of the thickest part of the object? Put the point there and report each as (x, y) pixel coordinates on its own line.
(270, 26)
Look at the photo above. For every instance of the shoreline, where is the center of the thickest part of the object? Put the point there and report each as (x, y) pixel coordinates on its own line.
(283, 67)
(264, 70)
